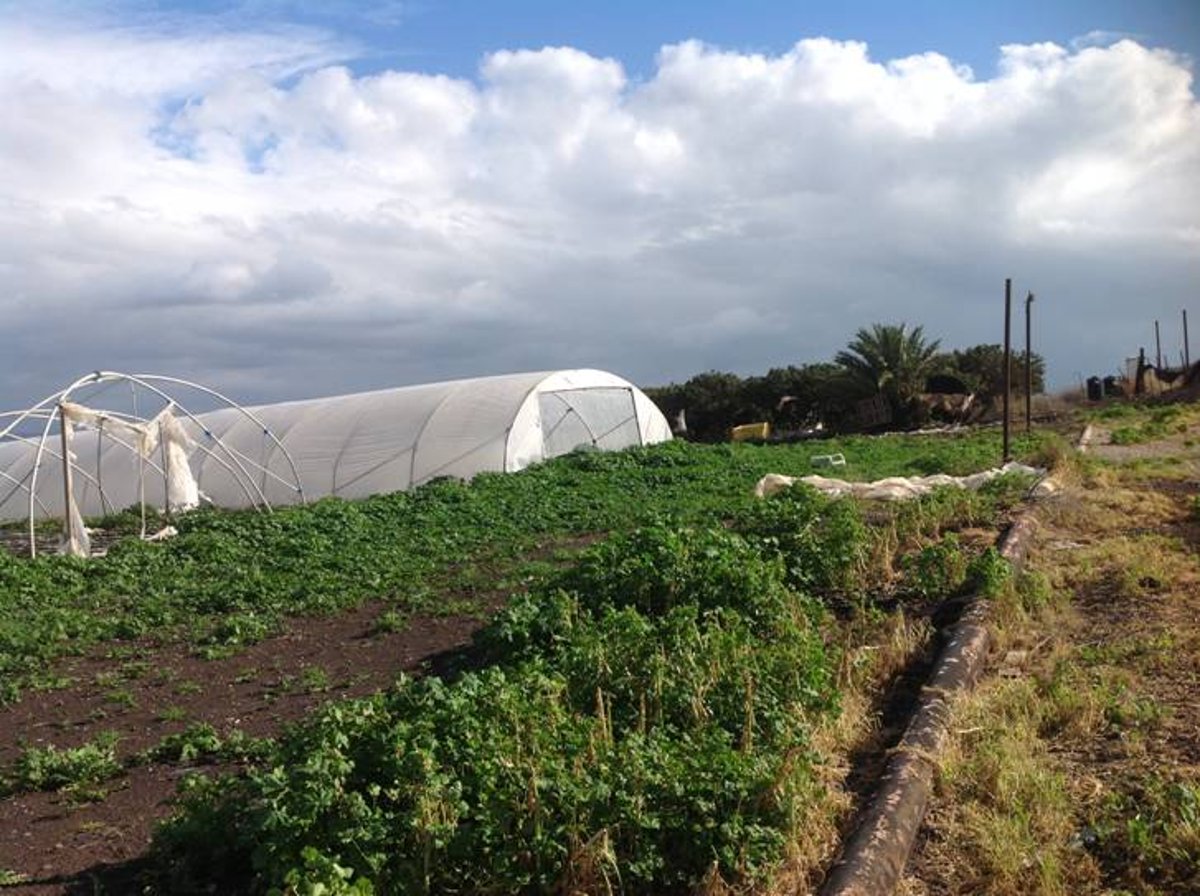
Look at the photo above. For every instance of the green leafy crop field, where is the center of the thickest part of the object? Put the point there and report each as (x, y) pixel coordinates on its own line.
(639, 717)
(229, 577)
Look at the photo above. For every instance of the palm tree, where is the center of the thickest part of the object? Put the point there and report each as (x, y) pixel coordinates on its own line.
(892, 360)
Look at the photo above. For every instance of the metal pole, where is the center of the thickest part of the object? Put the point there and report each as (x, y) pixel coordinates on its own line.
(166, 460)
(1007, 360)
(68, 523)
(1157, 347)
(1187, 358)
(1028, 370)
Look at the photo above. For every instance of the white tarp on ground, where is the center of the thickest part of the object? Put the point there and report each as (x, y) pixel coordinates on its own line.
(357, 445)
(899, 488)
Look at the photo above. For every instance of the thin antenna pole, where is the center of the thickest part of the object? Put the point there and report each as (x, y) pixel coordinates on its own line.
(1007, 360)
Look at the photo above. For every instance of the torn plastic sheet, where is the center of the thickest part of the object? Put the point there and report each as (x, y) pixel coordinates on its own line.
(79, 544)
(899, 488)
(162, 430)
(182, 491)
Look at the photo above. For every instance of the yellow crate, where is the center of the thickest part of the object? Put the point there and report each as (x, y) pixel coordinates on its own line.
(748, 432)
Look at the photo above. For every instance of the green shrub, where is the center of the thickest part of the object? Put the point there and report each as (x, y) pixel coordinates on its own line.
(989, 573)
(200, 742)
(648, 710)
(657, 568)
(494, 784)
(822, 542)
(937, 570)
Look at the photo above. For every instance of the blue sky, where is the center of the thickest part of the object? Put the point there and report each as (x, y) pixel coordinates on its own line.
(284, 199)
(452, 36)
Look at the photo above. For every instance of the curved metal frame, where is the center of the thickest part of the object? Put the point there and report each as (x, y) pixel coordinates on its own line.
(49, 408)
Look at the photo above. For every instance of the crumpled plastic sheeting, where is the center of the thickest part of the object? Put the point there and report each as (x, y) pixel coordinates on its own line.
(79, 544)
(900, 488)
(182, 491)
(143, 435)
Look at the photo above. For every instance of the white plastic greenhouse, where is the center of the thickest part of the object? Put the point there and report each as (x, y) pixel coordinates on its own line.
(373, 442)
(349, 445)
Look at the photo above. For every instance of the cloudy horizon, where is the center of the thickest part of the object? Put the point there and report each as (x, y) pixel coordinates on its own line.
(240, 205)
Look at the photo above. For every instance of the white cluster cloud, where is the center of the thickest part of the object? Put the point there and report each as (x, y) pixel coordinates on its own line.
(240, 208)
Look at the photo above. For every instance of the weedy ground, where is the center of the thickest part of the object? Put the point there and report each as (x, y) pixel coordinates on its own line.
(1075, 766)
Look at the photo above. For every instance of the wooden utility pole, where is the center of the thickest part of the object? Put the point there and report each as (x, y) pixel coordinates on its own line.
(1007, 360)
(1028, 370)
(1187, 358)
(1157, 348)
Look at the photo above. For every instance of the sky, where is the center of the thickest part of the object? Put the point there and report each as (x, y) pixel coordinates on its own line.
(282, 200)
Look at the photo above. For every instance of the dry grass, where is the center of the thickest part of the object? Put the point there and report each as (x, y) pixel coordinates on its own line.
(1076, 771)
(1009, 803)
(874, 651)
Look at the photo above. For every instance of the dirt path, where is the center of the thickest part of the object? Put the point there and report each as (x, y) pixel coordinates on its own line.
(1076, 766)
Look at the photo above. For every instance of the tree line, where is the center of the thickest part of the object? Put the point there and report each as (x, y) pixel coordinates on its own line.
(893, 363)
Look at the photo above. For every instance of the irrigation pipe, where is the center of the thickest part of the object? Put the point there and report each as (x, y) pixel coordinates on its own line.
(875, 855)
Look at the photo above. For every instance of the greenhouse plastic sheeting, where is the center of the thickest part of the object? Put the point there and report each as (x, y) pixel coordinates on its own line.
(896, 488)
(358, 445)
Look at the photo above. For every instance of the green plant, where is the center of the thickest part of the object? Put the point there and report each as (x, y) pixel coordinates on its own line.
(51, 768)
(200, 742)
(1034, 591)
(1126, 710)
(1151, 826)
(314, 679)
(11, 878)
(821, 542)
(48, 681)
(662, 687)
(989, 573)
(197, 741)
(938, 570)
(172, 714)
(235, 631)
(134, 669)
(1128, 435)
(121, 697)
(229, 578)
(388, 622)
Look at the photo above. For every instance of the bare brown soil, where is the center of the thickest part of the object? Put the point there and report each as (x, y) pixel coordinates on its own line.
(143, 691)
